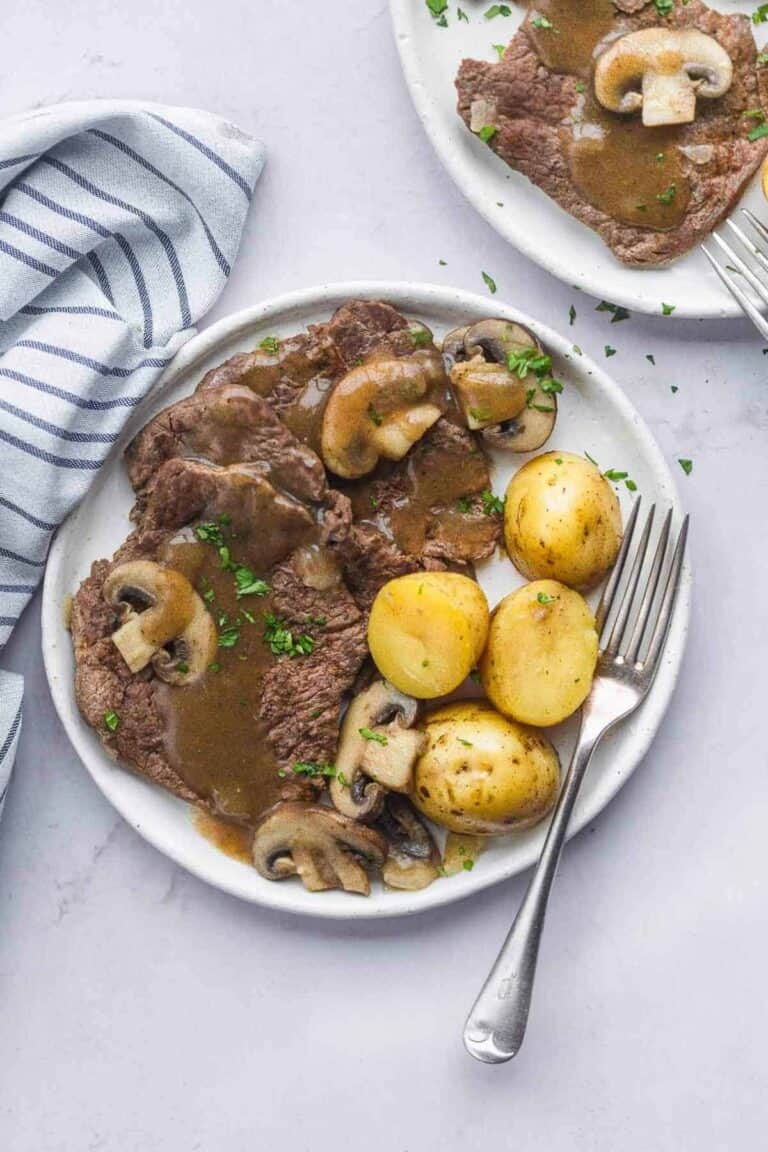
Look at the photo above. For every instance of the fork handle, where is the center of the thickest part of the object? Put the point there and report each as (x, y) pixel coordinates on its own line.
(496, 1025)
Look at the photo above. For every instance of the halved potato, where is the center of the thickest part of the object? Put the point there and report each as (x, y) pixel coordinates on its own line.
(426, 631)
(562, 520)
(541, 654)
(482, 774)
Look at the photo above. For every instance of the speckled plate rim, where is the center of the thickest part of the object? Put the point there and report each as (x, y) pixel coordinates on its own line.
(521, 213)
(163, 820)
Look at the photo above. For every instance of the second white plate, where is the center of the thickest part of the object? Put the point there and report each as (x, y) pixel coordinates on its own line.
(521, 213)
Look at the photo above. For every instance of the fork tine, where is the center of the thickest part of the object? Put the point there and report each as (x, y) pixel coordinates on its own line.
(609, 592)
(758, 225)
(738, 293)
(628, 599)
(760, 288)
(649, 595)
(664, 617)
(750, 245)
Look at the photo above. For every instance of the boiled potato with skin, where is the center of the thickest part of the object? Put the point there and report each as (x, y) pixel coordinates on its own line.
(426, 631)
(562, 520)
(541, 654)
(482, 774)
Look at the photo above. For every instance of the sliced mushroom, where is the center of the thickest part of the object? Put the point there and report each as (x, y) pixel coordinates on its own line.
(413, 860)
(381, 759)
(662, 71)
(380, 409)
(322, 847)
(159, 608)
(512, 411)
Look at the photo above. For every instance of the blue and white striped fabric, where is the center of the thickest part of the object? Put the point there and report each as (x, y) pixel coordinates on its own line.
(119, 223)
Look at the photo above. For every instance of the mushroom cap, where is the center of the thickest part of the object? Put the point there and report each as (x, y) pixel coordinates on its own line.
(413, 859)
(169, 610)
(381, 408)
(362, 772)
(662, 71)
(318, 844)
(494, 401)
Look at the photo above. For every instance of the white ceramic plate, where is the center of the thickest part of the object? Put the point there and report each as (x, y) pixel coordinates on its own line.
(519, 212)
(594, 416)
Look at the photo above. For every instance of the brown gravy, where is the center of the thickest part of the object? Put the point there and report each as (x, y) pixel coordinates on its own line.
(578, 26)
(232, 839)
(213, 736)
(435, 478)
(632, 173)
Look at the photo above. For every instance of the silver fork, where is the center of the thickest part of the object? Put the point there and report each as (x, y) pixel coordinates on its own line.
(737, 270)
(633, 629)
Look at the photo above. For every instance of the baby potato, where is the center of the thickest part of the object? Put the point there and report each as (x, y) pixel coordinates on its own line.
(541, 654)
(562, 520)
(482, 774)
(426, 631)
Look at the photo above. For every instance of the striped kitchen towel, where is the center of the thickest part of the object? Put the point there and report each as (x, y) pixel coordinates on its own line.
(119, 224)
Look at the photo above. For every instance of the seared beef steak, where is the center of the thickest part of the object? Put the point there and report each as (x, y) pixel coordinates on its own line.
(532, 108)
(231, 425)
(224, 459)
(286, 711)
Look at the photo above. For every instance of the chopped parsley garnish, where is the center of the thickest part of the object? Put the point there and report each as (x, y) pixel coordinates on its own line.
(543, 23)
(464, 504)
(229, 631)
(443, 263)
(216, 667)
(609, 351)
(437, 7)
(461, 15)
(270, 344)
(631, 486)
(664, 7)
(614, 475)
(659, 157)
(490, 282)
(754, 114)
(543, 598)
(492, 505)
(673, 388)
(668, 195)
(571, 315)
(530, 398)
(373, 502)
(760, 15)
(307, 768)
(247, 584)
(500, 49)
(758, 133)
(209, 595)
(421, 337)
(687, 466)
(466, 743)
(762, 58)
(182, 667)
(377, 737)
(528, 360)
(280, 640)
(375, 416)
(487, 132)
(667, 309)
(618, 312)
(468, 864)
(497, 10)
(580, 86)
(111, 721)
(210, 533)
(480, 414)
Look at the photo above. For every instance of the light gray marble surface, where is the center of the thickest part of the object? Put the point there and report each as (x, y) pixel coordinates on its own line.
(140, 1009)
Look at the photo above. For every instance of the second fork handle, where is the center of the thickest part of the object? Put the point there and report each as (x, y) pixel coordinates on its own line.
(496, 1025)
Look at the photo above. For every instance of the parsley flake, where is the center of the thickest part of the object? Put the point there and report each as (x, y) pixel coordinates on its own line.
(111, 721)
(490, 283)
(377, 737)
(687, 466)
(270, 344)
